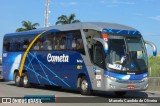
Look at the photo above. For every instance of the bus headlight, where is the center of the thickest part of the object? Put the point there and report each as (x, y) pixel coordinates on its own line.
(112, 78)
(144, 79)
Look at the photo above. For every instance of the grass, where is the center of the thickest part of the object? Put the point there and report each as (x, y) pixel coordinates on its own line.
(154, 66)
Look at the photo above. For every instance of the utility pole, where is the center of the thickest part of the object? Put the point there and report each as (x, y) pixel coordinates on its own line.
(46, 13)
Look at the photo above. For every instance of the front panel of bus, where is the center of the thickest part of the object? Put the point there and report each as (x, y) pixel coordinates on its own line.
(126, 62)
(123, 61)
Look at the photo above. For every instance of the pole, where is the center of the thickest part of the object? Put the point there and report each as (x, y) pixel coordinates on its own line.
(46, 13)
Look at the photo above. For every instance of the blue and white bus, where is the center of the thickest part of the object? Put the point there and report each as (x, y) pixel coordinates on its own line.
(85, 56)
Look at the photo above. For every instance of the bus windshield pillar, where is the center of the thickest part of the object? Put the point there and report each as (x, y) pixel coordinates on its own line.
(104, 43)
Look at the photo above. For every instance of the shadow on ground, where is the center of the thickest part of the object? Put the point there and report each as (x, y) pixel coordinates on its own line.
(130, 94)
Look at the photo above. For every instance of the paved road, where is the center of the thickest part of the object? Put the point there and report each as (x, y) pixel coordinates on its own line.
(8, 89)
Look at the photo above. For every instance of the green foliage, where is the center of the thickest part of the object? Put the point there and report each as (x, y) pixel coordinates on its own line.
(154, 66)
(27, 25)
(63, 19)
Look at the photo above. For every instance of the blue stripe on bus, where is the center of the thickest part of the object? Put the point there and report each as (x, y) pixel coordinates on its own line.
(126, 77)
(116, 31)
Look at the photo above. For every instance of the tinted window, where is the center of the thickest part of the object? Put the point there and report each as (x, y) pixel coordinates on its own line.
(44, 42)
(60, 41)
(98, 56)
(17, 43)
(67, 40)
(77, 42)
(6, 44)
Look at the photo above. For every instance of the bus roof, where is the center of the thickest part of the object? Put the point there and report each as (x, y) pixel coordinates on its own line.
(82, 25)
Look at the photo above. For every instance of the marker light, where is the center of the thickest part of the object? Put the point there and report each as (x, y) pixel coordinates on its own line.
(144, 79)
(105, 36)
(112, 78)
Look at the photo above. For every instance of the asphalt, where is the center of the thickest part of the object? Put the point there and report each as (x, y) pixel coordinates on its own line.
(8, 89)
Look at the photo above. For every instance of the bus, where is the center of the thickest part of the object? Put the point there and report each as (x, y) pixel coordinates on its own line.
(83, 56)
(1, 69)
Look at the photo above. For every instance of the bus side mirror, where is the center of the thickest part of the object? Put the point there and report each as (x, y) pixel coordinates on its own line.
(104, 43)
(153, 46)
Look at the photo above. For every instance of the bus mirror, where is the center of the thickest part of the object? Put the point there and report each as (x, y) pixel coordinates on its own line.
(104, 43)
(153, 46)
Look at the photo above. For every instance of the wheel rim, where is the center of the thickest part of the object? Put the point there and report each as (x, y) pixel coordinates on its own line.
(84, 85)
(25, 80)
(17, 78)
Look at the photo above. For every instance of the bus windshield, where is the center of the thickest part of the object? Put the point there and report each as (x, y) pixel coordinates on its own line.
(127, 54)
(134, 44)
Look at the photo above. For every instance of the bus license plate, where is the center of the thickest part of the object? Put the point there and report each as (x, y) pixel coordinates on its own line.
(130, 87)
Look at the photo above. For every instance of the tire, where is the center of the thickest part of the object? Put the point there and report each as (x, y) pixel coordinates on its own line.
(84, 86)
(17, 79)
(120, 93)
(26, 83)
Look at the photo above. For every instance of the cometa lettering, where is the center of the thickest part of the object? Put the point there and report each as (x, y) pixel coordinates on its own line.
(61, 58)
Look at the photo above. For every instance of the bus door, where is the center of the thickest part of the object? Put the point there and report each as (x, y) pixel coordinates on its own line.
(98, 58)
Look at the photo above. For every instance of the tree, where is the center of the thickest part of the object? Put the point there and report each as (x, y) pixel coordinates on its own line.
(63, 19)
(27, 25)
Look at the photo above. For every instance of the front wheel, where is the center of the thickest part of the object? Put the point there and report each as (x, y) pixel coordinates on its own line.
(84, 86)
(17, 79)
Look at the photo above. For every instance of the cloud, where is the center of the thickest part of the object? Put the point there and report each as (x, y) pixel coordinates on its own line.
(72, 3)
(148, 0)
(157, 18)
(68, 3)
(122, 2)
(116, 2)
(102, 1)
(112, 5)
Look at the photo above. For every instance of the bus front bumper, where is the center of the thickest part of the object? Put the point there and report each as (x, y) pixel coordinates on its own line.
(112, 84)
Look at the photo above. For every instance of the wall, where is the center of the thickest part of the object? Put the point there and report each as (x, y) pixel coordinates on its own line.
(154, 84)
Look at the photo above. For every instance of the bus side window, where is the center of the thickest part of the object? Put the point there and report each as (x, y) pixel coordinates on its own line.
(60, 41)
(20, 44)
(41, 39)
(77, 42)
(6, 44)
(13, 44)
(74, 44)
(36, 45)
(39, 44)
(25, 43)
(45, 42)
(57, 41)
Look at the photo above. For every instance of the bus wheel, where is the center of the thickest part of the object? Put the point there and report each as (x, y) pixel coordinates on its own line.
(120, 93)
(18, 80)
(84, 86)
(26, 83)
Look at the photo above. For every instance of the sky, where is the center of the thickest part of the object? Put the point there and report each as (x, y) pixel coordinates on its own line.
(143, 15)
